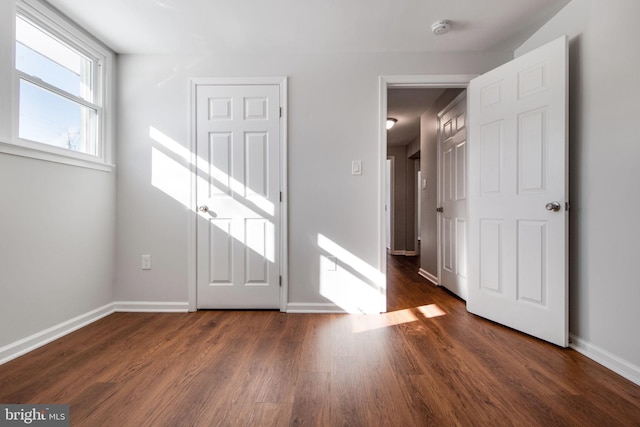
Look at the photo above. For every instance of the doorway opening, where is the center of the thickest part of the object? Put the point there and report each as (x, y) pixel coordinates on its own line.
(415, 102)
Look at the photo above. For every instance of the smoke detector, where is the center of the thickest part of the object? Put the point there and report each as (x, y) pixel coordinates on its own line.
(441, 27)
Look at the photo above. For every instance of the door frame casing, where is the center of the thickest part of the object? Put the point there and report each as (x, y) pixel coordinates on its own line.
(391, 207)
(426, 81)
(192, 252)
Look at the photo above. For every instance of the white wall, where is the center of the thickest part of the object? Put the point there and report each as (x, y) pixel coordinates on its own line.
(57, 228)
(57, 224)
(333, 119)
(604, 172)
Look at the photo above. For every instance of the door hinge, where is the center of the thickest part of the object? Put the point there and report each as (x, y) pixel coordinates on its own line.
(280, 281)
(281, 196)
(280, 111)
(567, 206)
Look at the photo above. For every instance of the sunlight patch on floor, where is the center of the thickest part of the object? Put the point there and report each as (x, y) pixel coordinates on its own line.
(384, 320)
(430, 311)
(371, 322)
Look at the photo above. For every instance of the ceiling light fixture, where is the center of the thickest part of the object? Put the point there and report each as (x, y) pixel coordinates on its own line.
(391, 122)
(441, 27)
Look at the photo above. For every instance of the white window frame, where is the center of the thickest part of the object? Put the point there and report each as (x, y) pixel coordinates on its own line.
(58, 26)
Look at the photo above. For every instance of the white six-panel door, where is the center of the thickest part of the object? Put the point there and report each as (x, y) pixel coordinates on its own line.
(452, 217)
(238, 196)
(518, 190)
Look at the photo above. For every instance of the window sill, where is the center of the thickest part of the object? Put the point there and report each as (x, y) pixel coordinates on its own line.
(51, 154)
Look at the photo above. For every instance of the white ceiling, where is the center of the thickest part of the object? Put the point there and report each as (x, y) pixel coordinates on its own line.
(294, 26)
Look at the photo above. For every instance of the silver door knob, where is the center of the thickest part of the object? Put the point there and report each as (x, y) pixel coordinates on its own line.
(553, 206)
(203, 208)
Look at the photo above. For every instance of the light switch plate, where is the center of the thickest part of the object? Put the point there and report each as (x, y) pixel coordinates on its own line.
(356, 167)
(146, 262)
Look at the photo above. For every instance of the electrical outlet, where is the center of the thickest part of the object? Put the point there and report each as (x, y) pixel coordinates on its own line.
(146, 262)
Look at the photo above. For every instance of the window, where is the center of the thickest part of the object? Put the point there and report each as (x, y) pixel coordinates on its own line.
(60, 80)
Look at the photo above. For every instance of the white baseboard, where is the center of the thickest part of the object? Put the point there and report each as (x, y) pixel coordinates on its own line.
(153, 307)
(403, 252)
(608, 360)
(30, 343)
(301, 307)
(430, 277)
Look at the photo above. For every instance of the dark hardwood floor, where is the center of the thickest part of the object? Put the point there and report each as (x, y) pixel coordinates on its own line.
(427, 362)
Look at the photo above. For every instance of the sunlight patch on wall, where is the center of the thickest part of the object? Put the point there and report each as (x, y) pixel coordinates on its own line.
(348, 281)
(170, 144)
(219, 178)
(170, 177)
(372, 274)
(173, 177)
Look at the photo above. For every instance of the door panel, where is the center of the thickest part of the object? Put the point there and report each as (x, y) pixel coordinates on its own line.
(238, 192)
(532, 274)
(518, 164)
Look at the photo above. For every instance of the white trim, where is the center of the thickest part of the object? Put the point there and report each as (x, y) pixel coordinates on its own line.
(192, 222)
(47, 154)
(392, 205)
(34, 341)
(403, 252)
(303, 307)
(382, 193)
(150, 307)
(192, 254)
(435, 81)
(430, 277)
(609, 360)
(284, 188)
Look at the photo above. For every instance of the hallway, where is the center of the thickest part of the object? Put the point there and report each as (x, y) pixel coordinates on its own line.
(407, 289)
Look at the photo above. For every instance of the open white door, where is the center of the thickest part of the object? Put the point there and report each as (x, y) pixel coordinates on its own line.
(452, 216)
(518, 194)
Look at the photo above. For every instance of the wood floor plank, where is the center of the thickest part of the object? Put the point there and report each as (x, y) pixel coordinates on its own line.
(425, 362)
(317, 348)
(312, 403)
